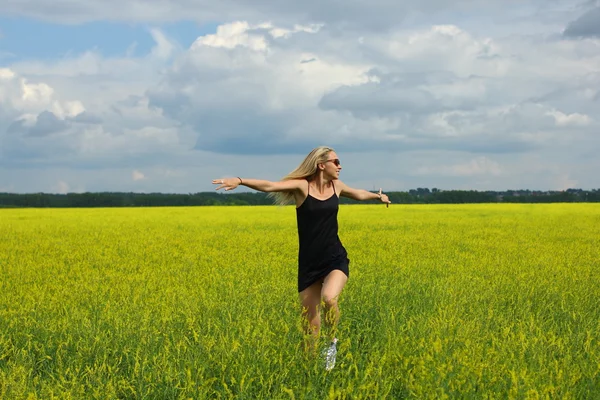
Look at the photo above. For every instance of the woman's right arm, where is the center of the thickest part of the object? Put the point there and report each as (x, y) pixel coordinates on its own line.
(258, 184)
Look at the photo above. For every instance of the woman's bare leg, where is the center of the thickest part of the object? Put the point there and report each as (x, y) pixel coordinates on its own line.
(324, 291)
(310, 298)
(332, 287)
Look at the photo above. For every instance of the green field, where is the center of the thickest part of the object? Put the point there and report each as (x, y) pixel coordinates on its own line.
(444, 301)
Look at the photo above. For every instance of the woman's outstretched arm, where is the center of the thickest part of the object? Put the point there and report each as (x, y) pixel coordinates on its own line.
(361, 195)
(258, 184)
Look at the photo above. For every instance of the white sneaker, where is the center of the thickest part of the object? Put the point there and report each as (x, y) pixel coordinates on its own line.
(329, 354)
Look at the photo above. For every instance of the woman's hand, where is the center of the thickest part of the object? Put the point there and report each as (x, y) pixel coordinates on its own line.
(227, 183)
(384, 198)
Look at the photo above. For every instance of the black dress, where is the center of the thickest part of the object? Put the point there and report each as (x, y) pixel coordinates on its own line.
(320, 250)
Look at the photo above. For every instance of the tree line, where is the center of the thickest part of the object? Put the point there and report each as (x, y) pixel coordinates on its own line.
(413, 196)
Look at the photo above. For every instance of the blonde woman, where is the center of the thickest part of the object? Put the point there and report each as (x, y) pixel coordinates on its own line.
(314, 187)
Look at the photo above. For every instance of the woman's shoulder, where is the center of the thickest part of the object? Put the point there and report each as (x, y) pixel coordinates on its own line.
(338, 185)
(301, 182)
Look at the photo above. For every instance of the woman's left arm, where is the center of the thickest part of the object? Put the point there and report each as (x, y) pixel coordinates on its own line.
(360, 194)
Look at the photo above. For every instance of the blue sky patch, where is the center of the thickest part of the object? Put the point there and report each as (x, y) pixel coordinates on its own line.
(25, 39)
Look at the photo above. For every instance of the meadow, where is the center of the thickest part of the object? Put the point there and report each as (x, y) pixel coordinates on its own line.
(444, 301)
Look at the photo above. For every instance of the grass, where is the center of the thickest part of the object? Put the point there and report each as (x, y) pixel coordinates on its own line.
(443, 301)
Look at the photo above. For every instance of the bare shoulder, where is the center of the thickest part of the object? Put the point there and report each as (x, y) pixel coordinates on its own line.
(347, 191)
(301, 191)
(303, 187)
(340, 186)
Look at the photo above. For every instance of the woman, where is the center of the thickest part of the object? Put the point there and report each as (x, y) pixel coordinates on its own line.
(314, 187)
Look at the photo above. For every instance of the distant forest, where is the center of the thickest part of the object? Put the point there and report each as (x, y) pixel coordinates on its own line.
(413, 196)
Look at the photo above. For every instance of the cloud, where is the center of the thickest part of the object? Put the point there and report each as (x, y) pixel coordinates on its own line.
(62, 187)
(241, 33)
(242, 90)
(19, 94)
(6, 74)
(86, 118)
(266, 86)
(46, 123)
(246, 91)
(354, 15)
(574, 119)
(477, 166)
(92, 108)
(164, 48)
(588, 25)
(137, 175)
(564, 182)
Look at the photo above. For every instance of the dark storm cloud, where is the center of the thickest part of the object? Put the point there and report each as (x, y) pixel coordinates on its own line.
(374, 15)
(397, 94)
(86, 118)
(373, 100)
(475, 145)
(46, 124)
(588, 25)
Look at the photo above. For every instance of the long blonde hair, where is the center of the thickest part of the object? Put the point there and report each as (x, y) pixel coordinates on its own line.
(306, 169)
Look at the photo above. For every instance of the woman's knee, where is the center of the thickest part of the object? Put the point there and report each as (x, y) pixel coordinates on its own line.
(312, 320)
(310, 311)
(330, 302)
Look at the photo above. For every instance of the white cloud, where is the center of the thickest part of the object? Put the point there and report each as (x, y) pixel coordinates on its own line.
(232, 35)
(21, 95)
(484, 103)
(137, 175)
(574, 119)
(564, 182)
(62, 187)
(164, 47)
(6, 73)
(241, 33)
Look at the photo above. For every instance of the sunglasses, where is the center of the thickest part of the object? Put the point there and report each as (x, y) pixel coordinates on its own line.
(335, 161)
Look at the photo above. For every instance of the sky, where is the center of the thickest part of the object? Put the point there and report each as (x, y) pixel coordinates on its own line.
(164, 96)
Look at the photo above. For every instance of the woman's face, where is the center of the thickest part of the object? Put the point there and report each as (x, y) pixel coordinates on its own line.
(332, 166)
